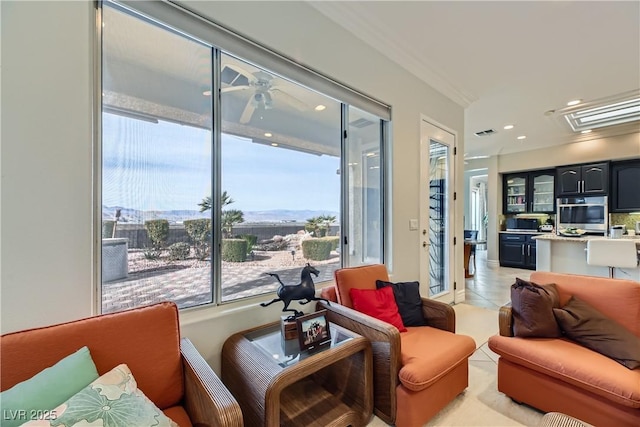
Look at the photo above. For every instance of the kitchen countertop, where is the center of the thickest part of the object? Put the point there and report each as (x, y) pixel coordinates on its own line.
(525, 232)
(584, 238)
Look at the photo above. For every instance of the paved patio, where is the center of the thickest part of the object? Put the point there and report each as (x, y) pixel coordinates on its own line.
(189, 287)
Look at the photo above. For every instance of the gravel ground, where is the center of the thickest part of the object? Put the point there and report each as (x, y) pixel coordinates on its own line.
(274, 259)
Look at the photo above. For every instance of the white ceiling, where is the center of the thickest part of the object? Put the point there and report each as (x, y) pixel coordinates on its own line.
(507, 62)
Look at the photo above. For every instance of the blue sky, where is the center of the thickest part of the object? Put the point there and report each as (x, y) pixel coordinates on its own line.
(164, 166)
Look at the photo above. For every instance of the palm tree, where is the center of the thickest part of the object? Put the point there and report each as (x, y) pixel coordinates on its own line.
(206, 203)
(229, 218)
(326, 221)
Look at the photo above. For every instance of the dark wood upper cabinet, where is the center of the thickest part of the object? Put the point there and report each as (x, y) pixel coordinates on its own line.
(529, 192)
(589, 179)
(625, 186)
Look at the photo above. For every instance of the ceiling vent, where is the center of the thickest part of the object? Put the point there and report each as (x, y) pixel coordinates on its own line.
(485, 132)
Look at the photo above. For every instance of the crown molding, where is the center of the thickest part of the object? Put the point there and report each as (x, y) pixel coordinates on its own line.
(374, 33)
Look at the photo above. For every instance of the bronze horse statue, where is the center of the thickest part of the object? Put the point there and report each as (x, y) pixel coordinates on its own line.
(304, 292)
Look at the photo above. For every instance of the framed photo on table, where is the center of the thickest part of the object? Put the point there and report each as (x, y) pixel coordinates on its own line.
(313, 330)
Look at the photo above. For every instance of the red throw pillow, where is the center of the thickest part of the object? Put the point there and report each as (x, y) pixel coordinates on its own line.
(378, 303)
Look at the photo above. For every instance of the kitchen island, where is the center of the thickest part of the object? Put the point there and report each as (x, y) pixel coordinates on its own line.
(568, 255)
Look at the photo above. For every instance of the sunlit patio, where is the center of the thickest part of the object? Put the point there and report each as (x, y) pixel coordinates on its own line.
(191, 286)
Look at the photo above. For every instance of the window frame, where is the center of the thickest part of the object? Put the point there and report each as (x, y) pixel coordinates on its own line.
(223, 41)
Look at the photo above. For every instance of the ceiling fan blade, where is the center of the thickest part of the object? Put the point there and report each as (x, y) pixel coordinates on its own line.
(290, 99)
(248, 112)
(234, 88)
(238, 69)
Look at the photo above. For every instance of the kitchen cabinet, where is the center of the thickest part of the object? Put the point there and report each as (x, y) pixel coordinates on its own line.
(587, 179)
(529, 192)
(518, 250)
(625, 186)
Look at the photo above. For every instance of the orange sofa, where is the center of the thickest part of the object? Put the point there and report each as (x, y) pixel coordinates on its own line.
(168, 370)
(415, 373)
(559, 375)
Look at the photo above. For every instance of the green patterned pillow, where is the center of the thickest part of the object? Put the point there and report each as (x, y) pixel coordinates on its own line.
(113, 400)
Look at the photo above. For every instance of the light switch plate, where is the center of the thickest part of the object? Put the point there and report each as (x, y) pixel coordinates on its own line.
(413, 224)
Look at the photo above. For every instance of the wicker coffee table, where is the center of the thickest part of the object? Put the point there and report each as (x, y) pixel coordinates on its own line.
(278, 386)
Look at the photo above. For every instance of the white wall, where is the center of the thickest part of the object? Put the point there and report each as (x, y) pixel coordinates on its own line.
(46, 197)
(46, 162)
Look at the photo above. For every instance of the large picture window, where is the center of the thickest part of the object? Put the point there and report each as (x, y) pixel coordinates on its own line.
(203, 195)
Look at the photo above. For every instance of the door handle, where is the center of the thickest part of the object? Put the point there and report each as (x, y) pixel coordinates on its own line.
(522, 250)
(578, 186)
(528, 250)
(583, 186)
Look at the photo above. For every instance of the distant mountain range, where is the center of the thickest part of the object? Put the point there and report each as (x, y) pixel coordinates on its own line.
(134, 216)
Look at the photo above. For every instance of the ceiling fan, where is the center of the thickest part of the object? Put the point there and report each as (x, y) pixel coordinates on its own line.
(265, 90)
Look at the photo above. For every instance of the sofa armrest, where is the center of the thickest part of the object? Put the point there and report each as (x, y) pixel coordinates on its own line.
(439, 315)
(206, 400)
(505, 320)
(385, 346)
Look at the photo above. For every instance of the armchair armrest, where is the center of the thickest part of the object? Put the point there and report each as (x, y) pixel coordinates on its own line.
(505, 320)
(206, 400)
(439, 315)
(385, 346)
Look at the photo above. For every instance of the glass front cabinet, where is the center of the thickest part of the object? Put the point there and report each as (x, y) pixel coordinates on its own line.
(529, 192)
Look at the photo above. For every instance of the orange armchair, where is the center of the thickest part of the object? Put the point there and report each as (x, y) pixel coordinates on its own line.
(168, 370)
(416, 373)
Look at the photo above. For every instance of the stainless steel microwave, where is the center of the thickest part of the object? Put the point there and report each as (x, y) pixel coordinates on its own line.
(588, 213)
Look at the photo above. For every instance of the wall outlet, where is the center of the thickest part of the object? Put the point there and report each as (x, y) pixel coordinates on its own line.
(413, 224)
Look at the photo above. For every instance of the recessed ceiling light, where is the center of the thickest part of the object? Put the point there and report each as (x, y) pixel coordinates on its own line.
(273, 144)
(549, 112)
(268, 134)
(320, 107)
(586, 131)
(522, 137)
(207, 93)
(574, 102)
(507, 127)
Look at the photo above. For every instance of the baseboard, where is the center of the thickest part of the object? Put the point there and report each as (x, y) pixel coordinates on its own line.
(460, 296)
(493, 263)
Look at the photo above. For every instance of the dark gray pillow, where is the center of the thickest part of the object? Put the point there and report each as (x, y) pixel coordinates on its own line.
(407, 296)
(587, 326)
(532, 307)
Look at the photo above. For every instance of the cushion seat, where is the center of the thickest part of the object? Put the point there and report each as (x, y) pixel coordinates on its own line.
(178, 415)
(574, 364)
(428, 354)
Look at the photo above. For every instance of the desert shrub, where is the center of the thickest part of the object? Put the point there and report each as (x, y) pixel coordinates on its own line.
(152, 254)
(271, 245)
(199, 231)
(234, 250)
(251, 241)
(316, 249)
(158, 232)
(335, 241)
(179, 251)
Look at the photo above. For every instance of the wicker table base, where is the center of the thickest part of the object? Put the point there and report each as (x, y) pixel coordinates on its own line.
(330, 387)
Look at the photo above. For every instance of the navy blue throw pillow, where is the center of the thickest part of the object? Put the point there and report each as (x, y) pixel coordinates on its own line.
(407, 296)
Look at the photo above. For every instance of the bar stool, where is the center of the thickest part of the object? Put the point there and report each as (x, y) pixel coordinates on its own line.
(612, 253)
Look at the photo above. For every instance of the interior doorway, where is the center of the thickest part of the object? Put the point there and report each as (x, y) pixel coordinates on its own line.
(478, 210)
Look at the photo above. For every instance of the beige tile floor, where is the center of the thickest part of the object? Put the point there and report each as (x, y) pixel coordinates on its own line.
(490, 287)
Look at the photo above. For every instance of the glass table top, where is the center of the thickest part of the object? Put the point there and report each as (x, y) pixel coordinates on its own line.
(287, 352)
